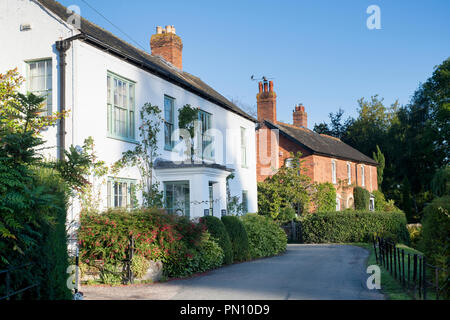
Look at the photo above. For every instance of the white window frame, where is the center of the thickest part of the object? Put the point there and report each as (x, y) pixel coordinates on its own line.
(333, 172)
(170, 123)
(363, 176)
(48, 91)
(372, 203)
(244, 148)
(125, 189)
(289, 162)
(338, 203)
(349, 173)
(126, 101)
(206, 140)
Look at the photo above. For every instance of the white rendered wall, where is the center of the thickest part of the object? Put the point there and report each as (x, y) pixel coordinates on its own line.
(86, 94)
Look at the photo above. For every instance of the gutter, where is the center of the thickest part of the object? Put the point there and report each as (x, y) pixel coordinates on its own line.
(62, 46)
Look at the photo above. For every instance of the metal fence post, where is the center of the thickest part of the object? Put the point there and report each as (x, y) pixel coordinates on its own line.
(424, 278)
(420, 281)
(395, 262)
(375, 249)
(8, 284)
(409, 271)
(403, 268)
(436, 273)
(415, 275)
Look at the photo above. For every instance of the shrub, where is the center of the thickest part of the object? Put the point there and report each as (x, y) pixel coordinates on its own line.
(217, 230)
(325, 198)
(415, 234)
(436, 234)
(139, 266)
(211, 254)
(381, 204)
(157, 236)
(356, 226)
(265, 237)
(362, 198)
(50, 255)
(238, 237)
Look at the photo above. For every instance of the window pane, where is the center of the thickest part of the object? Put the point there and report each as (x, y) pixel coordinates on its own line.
(131, 124)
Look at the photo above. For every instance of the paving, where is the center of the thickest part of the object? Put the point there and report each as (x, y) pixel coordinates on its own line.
(306, 272)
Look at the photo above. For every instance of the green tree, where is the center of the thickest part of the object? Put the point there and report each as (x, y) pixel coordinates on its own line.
(379, 157)
(186, 121)
(289, 187)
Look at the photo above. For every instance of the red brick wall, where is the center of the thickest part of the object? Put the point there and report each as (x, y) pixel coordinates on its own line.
(168, 46)
(318, 168)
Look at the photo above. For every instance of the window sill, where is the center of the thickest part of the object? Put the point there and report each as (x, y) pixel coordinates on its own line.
(123, 139)
(167, 148)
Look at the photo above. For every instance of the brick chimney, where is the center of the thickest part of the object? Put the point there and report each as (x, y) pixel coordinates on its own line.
(166, 44)
(300, 116)
(266, 101)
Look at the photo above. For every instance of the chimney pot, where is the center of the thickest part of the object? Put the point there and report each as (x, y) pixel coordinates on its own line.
(266, 103)
(168, 46)
(300, 117)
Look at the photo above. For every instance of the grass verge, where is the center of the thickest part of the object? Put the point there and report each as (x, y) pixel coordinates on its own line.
(390, 287)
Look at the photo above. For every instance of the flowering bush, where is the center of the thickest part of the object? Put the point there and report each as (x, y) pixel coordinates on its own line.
(174, 240)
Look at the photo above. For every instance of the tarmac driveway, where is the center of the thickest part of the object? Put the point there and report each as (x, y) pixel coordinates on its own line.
(303, 272)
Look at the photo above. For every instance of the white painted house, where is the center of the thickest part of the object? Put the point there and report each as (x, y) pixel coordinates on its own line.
(103, 81)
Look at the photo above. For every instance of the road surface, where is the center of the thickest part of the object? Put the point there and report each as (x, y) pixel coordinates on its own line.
(304, 272)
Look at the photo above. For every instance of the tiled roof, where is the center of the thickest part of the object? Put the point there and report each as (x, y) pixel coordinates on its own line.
(321, 144)
(99, 36)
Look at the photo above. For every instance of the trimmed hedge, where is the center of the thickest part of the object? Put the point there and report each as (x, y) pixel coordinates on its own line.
(362, 198)
(218, 231)
(265, 237)
(354, 226)
(238, 237)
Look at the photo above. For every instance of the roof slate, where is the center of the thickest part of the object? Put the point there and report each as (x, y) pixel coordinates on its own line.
(147, 61)
(321, 144)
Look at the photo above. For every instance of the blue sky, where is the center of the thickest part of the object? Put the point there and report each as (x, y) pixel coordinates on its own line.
(320, 53)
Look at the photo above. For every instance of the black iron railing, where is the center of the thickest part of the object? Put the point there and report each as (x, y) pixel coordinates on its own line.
(9, 286)
(411, 270)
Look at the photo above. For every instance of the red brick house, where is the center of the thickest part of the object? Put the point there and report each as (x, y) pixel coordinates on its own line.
(326, 159)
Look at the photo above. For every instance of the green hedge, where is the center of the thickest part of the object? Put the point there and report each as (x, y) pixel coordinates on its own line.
(50, 255)
(436, 235)
(362, 198)
(238, 237)
(265, 237)
(354, 226)
(218, 231)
